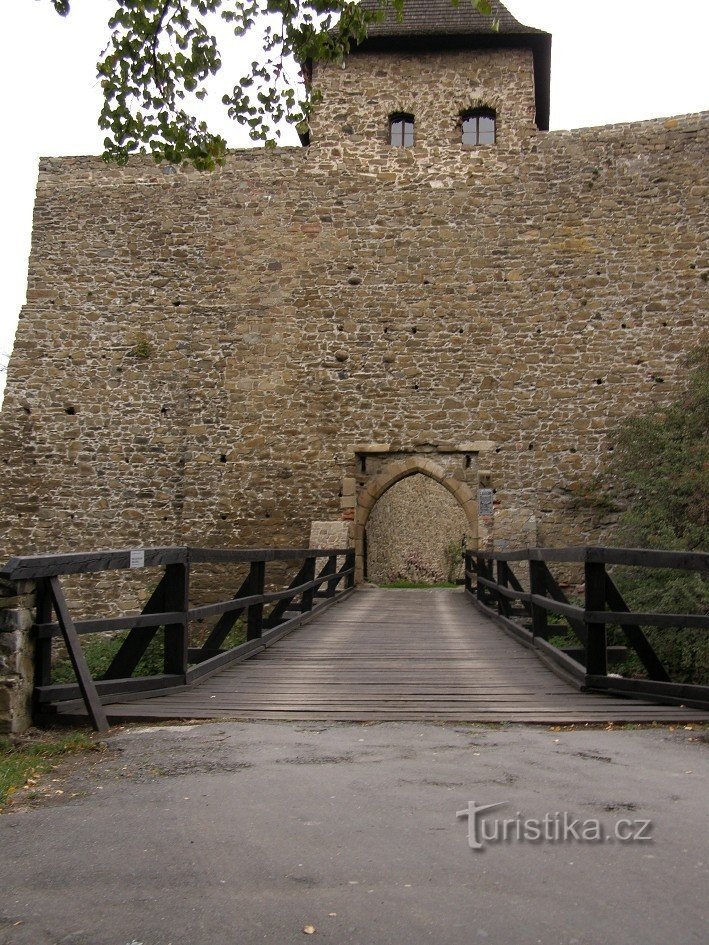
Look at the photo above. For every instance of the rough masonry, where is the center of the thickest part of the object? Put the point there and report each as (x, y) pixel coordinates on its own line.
(225, 359)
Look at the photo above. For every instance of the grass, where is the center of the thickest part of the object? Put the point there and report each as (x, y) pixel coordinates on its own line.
(236, 635)
(24, 763)
(99, 650)
(418, 585)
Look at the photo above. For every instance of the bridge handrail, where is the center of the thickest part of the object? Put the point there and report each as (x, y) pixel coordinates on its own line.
(635, 557)
(27, 567)
(492, 582)
(168, 609)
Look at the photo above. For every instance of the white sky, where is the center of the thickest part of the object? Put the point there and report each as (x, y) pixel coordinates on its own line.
(617, 60)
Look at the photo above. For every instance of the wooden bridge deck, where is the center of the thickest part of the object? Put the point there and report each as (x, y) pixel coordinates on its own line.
(397, 655)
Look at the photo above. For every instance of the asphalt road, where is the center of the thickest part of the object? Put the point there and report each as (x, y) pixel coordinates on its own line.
(245, 833)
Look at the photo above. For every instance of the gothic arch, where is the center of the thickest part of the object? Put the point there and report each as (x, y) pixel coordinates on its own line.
(393, 473)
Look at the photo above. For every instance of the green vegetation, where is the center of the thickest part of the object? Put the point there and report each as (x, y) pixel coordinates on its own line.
(24, 763)
(161, 57)
(99, 650)
(237, 635)
(453, 557)
(657, 481)
(142, 348)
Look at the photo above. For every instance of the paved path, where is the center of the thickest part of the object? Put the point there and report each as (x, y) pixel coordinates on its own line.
(246, 833)
(396, 654)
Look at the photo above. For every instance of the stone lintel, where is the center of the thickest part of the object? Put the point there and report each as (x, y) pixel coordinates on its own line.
(476, 446)
(472, 446)
(372, 448)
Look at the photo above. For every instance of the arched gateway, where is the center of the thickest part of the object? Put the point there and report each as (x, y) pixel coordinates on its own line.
(450, 477)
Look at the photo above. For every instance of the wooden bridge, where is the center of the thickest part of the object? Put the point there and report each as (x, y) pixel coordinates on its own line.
(396, 654)
(380, 654)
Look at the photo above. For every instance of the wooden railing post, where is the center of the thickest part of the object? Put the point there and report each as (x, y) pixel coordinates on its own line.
(257, 585)
(480, 571)
(331, 568)
(78, 661)
(306, 601)
(349, 564)
(43, 646)
(595, 600)
(468, 567)
(635, 636)
(503, 604)
(537, 585)
(176, 598)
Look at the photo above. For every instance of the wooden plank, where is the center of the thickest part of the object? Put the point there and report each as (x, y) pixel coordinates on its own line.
(254, 616)
(247, 555)
(297, 586)
(225, 624)
(142, 621)
(698, 696)
(109, 689)
(137, 642)
(632, 557)
(415, 655)
(306, 603)
(595, 599)
(177, 598)
(76, 655)
(538, 585)
(88, 562)
(626, 618)
(43, 648)
(575, 621)
(649, 558)
(635, 636)
(498, 588)
(221, 660)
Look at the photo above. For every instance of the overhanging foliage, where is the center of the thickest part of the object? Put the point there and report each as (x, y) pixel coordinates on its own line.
(161, 55)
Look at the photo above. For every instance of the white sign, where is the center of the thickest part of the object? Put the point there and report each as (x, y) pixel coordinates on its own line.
(486, 500)
(137, 558)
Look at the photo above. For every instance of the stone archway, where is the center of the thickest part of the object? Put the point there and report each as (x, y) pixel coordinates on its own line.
(392, 473)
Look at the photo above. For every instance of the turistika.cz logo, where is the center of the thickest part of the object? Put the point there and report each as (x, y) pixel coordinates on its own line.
(553, 827)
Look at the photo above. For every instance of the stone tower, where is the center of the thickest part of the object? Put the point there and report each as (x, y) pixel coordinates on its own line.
(438, 64)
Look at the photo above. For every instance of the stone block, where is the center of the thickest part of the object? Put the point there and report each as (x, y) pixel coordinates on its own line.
(349, 485)
(371, 448)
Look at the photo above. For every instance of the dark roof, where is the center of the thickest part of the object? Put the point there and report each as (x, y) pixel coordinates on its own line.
(436, 17)
(436, 24)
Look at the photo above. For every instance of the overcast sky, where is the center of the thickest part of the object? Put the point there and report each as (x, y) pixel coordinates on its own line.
(616, 60)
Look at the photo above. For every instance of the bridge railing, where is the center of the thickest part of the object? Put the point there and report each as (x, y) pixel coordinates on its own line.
(523, 603)
(266, 615)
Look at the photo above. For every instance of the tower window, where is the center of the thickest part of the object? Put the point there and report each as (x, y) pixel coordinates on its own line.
(401, 131)
(479, 126)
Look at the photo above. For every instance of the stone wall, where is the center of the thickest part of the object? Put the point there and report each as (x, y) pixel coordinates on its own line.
(359, 96)
(412, 532)
(17, 602)
(200, 355)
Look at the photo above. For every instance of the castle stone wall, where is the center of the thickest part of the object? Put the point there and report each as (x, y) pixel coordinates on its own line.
(201, 355)
(359, 96)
